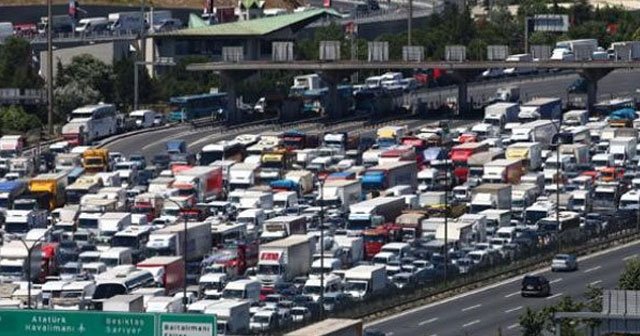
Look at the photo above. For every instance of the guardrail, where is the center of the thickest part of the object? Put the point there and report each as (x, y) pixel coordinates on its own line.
(399, 300)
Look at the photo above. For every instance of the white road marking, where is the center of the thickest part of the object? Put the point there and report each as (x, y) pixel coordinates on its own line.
(513, 309)
(428, 321)
(630, 257)
(512, 294)
(592, 269)
(553, 296)
(495, 285)
(555, 280)
(513, 326)
(595, 282)
(472, 307)
(471, 323)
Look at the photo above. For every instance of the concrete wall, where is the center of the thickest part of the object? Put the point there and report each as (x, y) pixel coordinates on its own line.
(106, 52)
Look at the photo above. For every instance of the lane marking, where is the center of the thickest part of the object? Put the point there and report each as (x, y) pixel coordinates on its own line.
(471, 323)
(472, 307)
(512, 294)
(592, 269)
(496, 285)
(553, 296)
(513, 326)
(630, 257)
(513, 309)
(555, 280)
(428, 321)
(595, 282)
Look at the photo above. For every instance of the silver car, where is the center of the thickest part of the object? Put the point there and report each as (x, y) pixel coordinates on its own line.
(564, 262)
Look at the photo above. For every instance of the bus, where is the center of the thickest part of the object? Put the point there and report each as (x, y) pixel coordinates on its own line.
(605, 108)
(120, 284)
(90, 123)
(187, 108)
(222, 150)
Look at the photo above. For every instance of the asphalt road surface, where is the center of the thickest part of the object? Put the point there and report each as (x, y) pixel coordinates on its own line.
(618, 83)
(482, 312)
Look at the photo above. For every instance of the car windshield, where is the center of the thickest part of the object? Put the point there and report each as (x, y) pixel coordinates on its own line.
(531, 280)
(261, 319)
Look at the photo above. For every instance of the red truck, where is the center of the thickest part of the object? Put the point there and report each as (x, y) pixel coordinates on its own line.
(202, 183)
(375, 238)
(50, 259)
(168, 272)
(459, 156)
(234, 260)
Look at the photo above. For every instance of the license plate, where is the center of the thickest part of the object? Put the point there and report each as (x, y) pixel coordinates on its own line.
(529, 287)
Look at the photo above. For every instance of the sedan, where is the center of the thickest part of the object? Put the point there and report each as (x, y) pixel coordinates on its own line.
(535, 285)
(564, 262)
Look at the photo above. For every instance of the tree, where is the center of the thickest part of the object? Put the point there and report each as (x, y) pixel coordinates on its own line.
(124, 85)
(16, 66)
(71, 96)
(90, 71)
(532, 322)
(630, 276)
(567, 326)
(14, 118)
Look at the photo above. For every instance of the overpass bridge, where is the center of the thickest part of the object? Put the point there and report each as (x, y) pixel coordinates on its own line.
(462, 71)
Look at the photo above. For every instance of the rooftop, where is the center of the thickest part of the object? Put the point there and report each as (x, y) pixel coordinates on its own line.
(255, 27)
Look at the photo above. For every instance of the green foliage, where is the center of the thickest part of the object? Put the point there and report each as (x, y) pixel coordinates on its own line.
(71, 96)
(14, 118)
(532, 322)
(567, 326)
(178, 81)
(16, 68)
(630, 276)
(90, 71)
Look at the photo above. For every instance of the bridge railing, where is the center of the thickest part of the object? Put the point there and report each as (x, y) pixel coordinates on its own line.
(74, 36)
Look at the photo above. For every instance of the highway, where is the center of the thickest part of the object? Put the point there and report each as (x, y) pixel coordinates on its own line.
(617, 83)
(498, 306)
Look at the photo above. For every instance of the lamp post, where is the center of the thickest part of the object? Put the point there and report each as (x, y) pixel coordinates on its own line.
(558, 235)
(446, 219)
(29, 252)
(184, 253)
(320, 190)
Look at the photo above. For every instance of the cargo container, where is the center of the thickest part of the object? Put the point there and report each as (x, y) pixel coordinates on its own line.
(168, 272)
(284, 259)
(373, 212)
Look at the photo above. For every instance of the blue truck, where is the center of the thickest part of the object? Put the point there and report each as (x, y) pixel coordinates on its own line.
(9, 191)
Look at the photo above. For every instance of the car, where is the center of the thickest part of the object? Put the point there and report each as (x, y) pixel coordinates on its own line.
(535, 285)
(300, 314)
(564, 262)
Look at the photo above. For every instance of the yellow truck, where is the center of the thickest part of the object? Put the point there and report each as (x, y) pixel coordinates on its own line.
(95, 160)
(50, 187)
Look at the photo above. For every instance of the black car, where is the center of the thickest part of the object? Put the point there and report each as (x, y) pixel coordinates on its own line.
(535, 285)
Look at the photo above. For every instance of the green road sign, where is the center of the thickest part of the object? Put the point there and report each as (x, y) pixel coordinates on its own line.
(186, 325)
(65, 323)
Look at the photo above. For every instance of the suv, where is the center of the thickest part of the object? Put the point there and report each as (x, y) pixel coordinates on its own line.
(564, 262)
(535, 285)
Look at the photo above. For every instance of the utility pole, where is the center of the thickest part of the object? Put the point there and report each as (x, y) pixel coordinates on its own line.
(320, 189)
(49, 69)
(143, 28)
(526, 34)
(409, 22)
(446, 220)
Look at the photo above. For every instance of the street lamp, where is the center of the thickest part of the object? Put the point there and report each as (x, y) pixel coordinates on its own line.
(558, 235)
(184, 252)
(29, 252)
(320, 190)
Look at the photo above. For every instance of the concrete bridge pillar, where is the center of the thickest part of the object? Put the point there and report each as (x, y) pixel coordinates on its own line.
(334, 108)
(230, 80)
(462, 77)
(592, 76)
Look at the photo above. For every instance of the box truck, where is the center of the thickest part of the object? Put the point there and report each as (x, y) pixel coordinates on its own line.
(499, 114)
(284, 259)
(341, 193)
(202, 183)
(373, 212)
(363, 281)
(389, 175)
(490, 196)
(169, 241)
(541, 108)
(168, 272)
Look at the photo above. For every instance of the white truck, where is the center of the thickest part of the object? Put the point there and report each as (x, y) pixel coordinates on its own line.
(283, 226)
(169, 241)
(371, 213)
(341, 194)
(499, 114)
(490, 196)
(516, 70)
(365, 280)
(529, 152)
(243, 175)
(352, 248)
(303, 178)
(126, 21)
(124, 303)
(541, 131)
(575, 47)
(522, 196)
(232, 316)
(112, 222)
(14, 262)
(284, 259)
(545, 108)
(575, 118)
(306, 82)
(623, 149)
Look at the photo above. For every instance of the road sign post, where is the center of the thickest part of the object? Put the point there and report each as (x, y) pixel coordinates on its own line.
(64, 323)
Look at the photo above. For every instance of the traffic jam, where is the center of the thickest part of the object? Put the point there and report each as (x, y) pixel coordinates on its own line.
(273, 230)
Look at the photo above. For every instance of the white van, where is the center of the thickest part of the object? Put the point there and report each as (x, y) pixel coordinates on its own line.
(6, 30)
(164, 304)
(244, 289)
(332, 284)
(116, 256)
(90, 25)
(143, 118)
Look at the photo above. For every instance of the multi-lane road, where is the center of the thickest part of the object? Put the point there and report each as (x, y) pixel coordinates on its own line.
(498, 306)
(618, 83)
